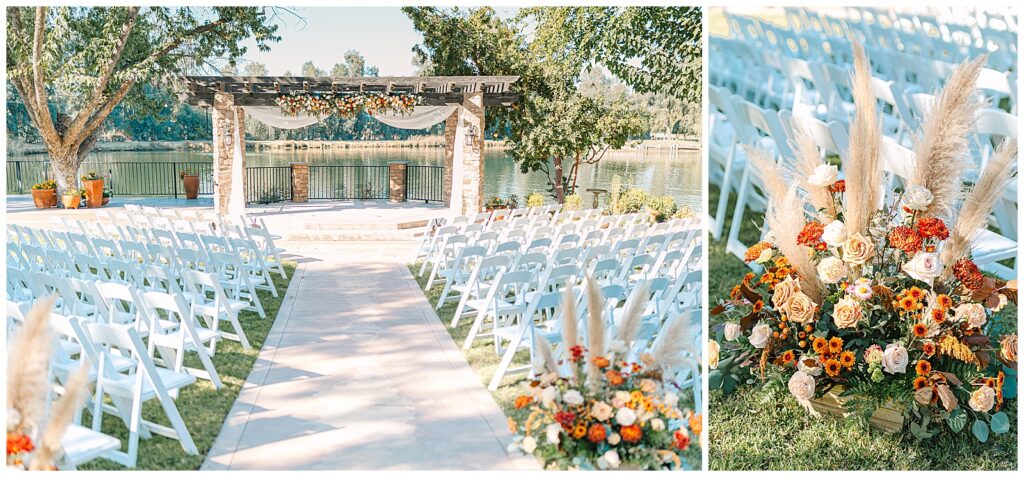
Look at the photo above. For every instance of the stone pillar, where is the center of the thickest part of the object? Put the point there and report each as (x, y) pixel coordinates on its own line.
(449, 155)
(396, 180)
(224, 135)
(300, 181)
(473, 156)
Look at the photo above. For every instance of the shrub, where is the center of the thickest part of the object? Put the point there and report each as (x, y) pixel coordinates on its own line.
(661, 207)
(631, 201)
(572, 202)
(45, 185)
(535, 199)
(684, 212)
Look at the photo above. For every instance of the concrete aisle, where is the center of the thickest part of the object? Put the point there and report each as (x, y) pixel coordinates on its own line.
(358, 373)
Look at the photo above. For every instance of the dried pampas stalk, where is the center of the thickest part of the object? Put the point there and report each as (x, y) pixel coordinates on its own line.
(785, 218)
(863, 167)
(631, 320)
(770, 171)
(940, 146)
(979, 202)
(27, 373)
(63, 411)
(570, 333)
(673, 343)
(547, 354)
(807, 161)
(595, 328)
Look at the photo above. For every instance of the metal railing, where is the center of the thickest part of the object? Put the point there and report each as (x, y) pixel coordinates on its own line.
(122, 177)
(349, 182)
(424, 183)
(267, 185)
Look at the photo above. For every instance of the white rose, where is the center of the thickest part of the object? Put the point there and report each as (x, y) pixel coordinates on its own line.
(925, 266)
(806, 369)
(529, 444)
(831, 270)
(765, 255)
(917, 198)
(657, 424)
(983, 399)
(614, 438)
(553, 431)
(671, 399)
(759, 335)
(625, 417)
(548, 396)
(732, 331)
(713, 350)
(834, 234)
(801, 385)
(601, 411)
(895, 358)
(972, 313)
(573, 397)
(612, 458)
(824, 175)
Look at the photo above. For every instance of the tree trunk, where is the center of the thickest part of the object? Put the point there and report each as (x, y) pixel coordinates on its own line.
(64, 165)
(559, 192)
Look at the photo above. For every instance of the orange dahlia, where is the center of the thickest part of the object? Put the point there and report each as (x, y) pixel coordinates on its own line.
(838, 186)
(905, 239)
(631, 434)
(523, 401)
(932, 227)
(614, 378)
(696, 425)
(18, 443)
(923, 368)
(755, 251)
(944, 301)
(810, 236)
(967, 272)
(597, 433)
(601, 362)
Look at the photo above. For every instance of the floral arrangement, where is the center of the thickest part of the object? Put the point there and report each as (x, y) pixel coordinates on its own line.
(345, 105)
(31, 442)
(45, 185)
(881, 304)
(188, 171)
(498, 203)
(606, 412)
(91, 176)
(535, 199)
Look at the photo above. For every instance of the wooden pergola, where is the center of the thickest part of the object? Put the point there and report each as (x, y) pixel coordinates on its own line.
(228, 95)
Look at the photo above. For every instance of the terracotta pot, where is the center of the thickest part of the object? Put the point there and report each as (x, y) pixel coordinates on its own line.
(191, 186)
(71, 201)
(94, 193)
(44, 198)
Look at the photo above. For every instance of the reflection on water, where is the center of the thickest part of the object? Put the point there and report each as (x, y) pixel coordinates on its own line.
(658, 173)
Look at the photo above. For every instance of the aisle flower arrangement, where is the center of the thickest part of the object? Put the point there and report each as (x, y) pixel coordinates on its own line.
(882, 303)
(595, 410)
(345, 105)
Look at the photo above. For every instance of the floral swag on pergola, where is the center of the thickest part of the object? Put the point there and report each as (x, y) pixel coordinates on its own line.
(345, 105)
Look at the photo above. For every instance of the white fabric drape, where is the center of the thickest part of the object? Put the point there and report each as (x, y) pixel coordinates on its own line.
(236, 202)
(272, 116)
(421, 117)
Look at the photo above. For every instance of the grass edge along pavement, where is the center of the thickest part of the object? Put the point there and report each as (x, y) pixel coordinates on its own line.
(202, 407)
(753, 429)
(484, 361)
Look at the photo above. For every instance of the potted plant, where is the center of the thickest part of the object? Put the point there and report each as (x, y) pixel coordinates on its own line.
(44, 194)
(107, 194)
(495, 203)
(93, 185)
(191, 181)
(72, 198)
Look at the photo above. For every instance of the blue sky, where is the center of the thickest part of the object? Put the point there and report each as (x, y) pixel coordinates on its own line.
(384, 35)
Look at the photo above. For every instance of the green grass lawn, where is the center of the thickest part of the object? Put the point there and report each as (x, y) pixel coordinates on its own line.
(750, 429)
(201, 406)
(483, 359)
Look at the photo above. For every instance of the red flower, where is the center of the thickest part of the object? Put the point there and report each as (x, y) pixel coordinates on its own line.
(838, 186)
(905, 239)
(932, 227)
(810, 236)
(19, 444)
(565, 419)
(577, 352)
(967, 272)
(682, 440)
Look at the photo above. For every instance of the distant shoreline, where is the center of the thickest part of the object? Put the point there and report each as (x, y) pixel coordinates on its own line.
(23, 149)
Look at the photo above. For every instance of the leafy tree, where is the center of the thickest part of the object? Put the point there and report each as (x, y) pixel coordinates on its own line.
(555, 128)
(255, 68)
(92, 59)
(652, 49)
(309, 69)
(356, 63)
(339, 70)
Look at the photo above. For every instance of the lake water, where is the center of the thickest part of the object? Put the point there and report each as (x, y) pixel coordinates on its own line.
(659, 173)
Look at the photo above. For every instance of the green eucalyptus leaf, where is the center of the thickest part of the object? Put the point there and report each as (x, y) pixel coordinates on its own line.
(980, 430)
(1000, 423)
(957, 420)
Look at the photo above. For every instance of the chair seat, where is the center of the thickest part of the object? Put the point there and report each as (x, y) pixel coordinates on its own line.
(210, 308)
(171, 339)
(82, 444)
(122, 384)
(989, 246)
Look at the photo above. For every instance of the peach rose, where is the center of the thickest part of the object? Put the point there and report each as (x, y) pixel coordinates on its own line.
(983, 399)
(846, 313)
(783, 290)
(801, 385)
(713, 350)
(800, 309)
(1008, 348)
(858, 249)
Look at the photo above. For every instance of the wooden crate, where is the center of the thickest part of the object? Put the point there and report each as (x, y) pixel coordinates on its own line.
(887, 418)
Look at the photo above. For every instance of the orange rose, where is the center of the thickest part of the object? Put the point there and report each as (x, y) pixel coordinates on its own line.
(596, 433)
(631, 433)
